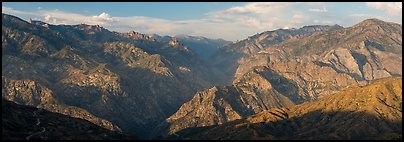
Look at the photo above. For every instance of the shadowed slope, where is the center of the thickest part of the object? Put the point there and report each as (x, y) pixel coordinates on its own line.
(29, 123)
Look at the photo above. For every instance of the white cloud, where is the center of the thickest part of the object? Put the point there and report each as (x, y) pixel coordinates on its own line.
(47, 18)
(318, 9)
(299, 17)
(359, 15)
(391, 8)
(365, 16)
(60, 17)
(256, 8)
(103, 17)
(12, 11)
(263, 16)
(73, 18)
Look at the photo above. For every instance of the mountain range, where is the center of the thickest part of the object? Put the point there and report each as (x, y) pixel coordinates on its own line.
(287, 74)
(373, 111)
(103, 75)
(272, 85)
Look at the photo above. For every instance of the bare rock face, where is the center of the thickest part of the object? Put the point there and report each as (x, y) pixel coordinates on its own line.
(364, 63)
(369, 112)
(313, 81)
(259, 59)
(343, 61)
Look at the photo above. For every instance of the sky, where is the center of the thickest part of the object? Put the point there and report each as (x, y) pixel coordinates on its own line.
(227, 20)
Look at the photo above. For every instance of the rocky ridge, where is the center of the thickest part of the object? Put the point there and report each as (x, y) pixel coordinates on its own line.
(373, 111)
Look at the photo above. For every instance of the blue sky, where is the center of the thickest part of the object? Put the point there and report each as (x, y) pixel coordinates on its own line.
(228, 20)
(168, 10)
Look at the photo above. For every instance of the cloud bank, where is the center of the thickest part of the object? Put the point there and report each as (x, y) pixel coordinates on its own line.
(391, 8)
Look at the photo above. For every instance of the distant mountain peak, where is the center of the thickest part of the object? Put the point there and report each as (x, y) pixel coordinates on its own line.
(372, 21)
(378, 25)
(320, 27)
(136, 35)
(174, 42)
